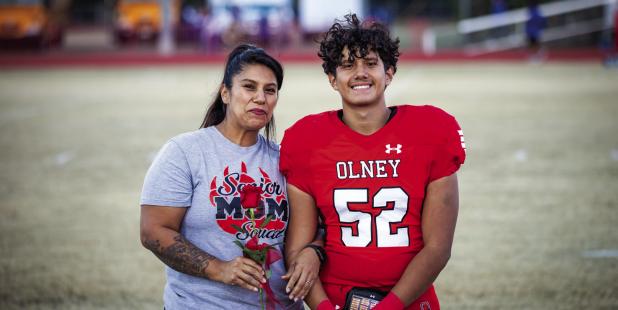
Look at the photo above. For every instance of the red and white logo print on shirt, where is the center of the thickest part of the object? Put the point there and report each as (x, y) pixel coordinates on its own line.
(225, 196)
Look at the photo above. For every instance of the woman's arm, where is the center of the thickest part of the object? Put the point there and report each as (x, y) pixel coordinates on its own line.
(160, 233)
(300, 232)
(438, 224)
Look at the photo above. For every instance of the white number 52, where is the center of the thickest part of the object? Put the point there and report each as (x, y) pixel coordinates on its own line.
(385, 237)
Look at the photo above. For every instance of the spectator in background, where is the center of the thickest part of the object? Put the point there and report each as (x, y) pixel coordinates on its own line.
(534, 27)
(234, 33)
(497, 8)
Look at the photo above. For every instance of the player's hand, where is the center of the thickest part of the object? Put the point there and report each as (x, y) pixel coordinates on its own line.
(302, 273)
(240, 271)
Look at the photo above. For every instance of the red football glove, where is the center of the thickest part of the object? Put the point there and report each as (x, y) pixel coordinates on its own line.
(390, 302)
(325, 305)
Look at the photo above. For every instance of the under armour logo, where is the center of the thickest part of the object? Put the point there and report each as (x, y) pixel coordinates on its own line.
(389, 149)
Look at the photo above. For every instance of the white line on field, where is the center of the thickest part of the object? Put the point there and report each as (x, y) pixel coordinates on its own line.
(600, 253)
(614, 154)
(63, 158)
(521, 155)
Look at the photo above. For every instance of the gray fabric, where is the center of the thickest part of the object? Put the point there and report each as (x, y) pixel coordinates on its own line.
(183, 175)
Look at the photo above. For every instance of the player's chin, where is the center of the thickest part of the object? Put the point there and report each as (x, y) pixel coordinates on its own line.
(360, 102)
(363, 99)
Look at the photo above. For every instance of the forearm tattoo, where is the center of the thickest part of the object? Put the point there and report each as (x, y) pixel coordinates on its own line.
(181, 256)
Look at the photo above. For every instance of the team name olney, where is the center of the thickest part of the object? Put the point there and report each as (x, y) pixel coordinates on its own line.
(381, 168)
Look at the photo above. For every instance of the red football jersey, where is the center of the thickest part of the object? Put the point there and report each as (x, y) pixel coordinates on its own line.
(370, 189)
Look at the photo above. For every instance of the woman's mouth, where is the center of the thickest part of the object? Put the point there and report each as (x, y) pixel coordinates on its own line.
(259, 112)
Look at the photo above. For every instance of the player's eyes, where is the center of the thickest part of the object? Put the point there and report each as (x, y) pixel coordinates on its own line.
(249, 86)
(271, 91)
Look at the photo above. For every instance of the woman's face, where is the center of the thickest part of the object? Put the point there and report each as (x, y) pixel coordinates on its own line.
(252, 98)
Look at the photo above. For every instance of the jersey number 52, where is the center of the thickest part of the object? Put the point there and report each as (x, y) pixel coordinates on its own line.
(385, 236)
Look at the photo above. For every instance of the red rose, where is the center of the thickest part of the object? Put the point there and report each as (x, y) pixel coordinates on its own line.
(250, 196)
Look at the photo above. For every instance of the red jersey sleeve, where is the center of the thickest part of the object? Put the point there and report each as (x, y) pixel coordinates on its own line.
(294, 159)
(450, 152)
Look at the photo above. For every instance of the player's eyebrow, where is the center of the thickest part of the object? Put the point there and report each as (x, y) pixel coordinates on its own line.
(370, 58)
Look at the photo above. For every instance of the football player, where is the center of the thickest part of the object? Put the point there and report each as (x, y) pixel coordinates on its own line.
(381, 179)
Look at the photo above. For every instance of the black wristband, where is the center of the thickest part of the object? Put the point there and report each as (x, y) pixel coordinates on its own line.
(319, 251)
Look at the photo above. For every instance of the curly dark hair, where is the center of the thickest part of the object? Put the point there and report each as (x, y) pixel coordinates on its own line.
(360, 38)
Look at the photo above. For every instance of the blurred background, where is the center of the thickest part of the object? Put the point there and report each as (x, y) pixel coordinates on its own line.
(476, 27)
(90, 90)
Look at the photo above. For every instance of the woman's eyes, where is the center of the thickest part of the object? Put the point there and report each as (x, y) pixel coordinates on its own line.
(267, 90)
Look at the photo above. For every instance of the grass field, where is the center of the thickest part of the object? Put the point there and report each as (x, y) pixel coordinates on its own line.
(539, 191)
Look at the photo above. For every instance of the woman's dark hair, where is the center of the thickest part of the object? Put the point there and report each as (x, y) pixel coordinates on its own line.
(360, 38)
(242, 55)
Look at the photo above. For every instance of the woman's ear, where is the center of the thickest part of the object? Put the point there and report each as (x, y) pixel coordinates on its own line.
(225, 94)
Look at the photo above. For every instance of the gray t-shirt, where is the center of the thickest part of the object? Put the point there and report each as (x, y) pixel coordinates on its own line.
(202, 171)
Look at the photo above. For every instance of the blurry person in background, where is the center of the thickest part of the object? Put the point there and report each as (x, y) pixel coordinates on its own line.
(382, 180)
(534, 27)
(498, 7)
(234, 32)
(194, 216)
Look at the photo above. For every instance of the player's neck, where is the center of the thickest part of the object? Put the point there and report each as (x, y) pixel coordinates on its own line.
(366, 120)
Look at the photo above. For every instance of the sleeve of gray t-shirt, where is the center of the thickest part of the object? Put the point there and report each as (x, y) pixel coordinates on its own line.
(168, 182)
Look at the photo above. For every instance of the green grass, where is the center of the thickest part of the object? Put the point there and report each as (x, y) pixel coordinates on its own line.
(75, 145)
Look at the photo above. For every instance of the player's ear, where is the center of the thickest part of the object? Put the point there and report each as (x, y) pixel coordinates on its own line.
(390, 72)
(331, 80)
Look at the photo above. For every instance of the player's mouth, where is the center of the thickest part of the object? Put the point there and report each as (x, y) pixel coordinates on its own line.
(361, 87)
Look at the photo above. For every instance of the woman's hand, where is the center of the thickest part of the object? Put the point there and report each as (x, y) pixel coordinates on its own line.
(302, 273)
(240, 271)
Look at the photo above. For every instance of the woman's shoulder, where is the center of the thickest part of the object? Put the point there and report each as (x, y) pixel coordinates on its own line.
(190, 139)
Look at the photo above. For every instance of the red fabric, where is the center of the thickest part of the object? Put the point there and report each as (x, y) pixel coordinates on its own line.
(370, 189)
(270, 298)
(325, 305)
(427, 301)
(272, 255)
(390, 302)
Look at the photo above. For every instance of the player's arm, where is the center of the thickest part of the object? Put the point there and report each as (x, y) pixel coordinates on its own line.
(438, 224)
(160, 233)
(300, 232)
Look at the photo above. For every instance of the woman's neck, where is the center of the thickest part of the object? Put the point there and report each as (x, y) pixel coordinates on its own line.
(239, 136)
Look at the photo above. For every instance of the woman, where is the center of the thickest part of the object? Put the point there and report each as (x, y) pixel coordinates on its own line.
(192, 218)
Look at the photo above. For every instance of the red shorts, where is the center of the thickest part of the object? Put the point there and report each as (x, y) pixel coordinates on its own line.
(427, 301)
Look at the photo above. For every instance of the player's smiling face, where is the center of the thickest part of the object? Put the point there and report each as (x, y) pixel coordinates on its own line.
(361, 81)
(252, 97)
